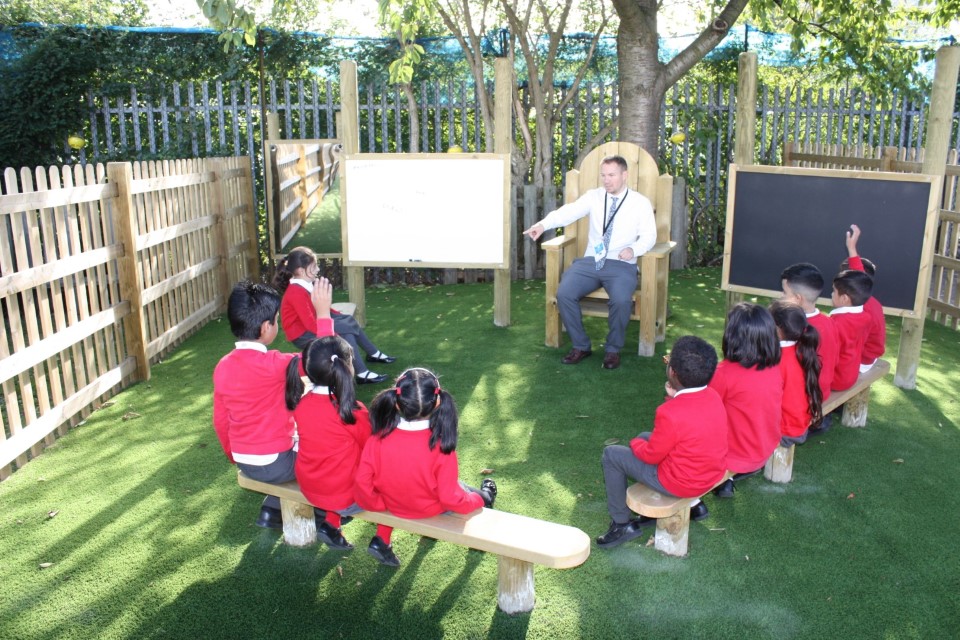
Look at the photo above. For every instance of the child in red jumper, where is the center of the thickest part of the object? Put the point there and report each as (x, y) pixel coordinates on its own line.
(333, 427)
(409, 467)
(252, 400)
(876, 341)
(748, 381)
(684, 456)
(803, 284)
(800, 370)
(299, 269)
(851, 289)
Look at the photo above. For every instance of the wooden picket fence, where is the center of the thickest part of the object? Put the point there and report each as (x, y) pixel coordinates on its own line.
(104, 270)
(944, 301)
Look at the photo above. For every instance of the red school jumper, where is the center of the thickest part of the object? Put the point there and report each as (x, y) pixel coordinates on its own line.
(752, 400)
(329, 450)
(828, 349)
(853, 325)
(876, 342)
(688, 443)
(795, 414)
(402, 475)
(297, 314)
(249, 386)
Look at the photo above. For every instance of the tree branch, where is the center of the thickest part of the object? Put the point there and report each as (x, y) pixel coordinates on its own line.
(709, 38)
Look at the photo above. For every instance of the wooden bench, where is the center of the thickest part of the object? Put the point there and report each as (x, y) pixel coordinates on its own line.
(855, 400)
(672, 514)
(519, 542)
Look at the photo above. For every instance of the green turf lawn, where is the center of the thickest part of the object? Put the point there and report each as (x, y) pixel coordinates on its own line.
(152, 537)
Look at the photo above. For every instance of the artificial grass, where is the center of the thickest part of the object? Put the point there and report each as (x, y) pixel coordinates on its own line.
(152, 537)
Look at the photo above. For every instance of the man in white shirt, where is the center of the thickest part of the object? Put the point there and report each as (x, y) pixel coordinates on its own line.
(622, 228)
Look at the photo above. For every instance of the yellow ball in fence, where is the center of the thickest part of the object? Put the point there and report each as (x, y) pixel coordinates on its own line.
(677, 138)
(76, 142)
(455, 149)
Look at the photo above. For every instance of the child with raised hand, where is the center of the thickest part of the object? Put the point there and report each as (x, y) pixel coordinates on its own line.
(748, 381)
(800, 371)
(253, 396)
(295, 276)
(851, 289)
(684, 455)
(876, 341)
(333, 427)
(409, 467)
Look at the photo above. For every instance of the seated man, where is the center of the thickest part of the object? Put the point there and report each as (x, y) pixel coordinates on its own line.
(622, 228)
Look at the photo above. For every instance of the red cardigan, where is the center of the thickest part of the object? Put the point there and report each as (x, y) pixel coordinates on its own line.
(852, 329)
(402, 475)
(752, 399)
(876, 342)
(795, 414)
(297, 315)
(329, 451)
(249, 412)
(828, 349)
(688, 443)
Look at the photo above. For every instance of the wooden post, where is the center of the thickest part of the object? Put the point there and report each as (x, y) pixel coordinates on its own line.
(779, 467)
(679, 225)
(273, 126)
(650, 264)
(135, 332)
(217, 199)
(503, 143)
(349, 131)
(301, 188)
(515, 585)
(673, 532)
(855, 409)
(299, 524)
(939, 125)
(252, 230)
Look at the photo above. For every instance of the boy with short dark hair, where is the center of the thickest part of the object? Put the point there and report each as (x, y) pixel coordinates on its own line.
(803, 283)
(876, 341)
(850, 290)
(250, 412)
(684, 456)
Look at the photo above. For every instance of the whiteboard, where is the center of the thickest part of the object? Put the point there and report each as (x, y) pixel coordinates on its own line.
(426, 210)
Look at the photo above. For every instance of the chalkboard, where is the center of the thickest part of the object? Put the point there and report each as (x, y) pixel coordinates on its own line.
(426, 210)
(778, 216)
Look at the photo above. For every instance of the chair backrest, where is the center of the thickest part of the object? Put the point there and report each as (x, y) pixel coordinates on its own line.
(643, 175)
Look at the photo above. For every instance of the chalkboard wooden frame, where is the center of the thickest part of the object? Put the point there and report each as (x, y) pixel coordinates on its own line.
(474, 219)
(777, 216)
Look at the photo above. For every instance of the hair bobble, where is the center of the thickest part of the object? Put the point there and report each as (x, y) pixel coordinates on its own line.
(397, 389)
(333, 357)
(436, 391)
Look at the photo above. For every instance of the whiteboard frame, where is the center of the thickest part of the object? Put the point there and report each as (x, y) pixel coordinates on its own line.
(504, 158)
(930, 227)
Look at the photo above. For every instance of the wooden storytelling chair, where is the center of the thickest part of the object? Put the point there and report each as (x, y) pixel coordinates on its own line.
(650, 298)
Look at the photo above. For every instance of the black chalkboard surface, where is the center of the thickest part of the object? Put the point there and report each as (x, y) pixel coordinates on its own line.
(777, 216)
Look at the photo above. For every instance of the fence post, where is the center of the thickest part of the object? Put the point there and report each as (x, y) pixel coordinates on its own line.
(888, 160)
(217, 199)
(135, 334)
(746, 127)
(302, 185)
(679, 225)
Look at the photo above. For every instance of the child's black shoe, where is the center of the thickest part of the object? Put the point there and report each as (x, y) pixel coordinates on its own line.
(333, 537)
(488, 490)
(270, 518)
(725, 490)
(383, 552)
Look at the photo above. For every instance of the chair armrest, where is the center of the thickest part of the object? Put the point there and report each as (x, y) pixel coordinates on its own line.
(661, 250)
(558, 243)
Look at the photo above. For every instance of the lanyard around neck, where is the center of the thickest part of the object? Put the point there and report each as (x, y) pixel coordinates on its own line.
(607, 223)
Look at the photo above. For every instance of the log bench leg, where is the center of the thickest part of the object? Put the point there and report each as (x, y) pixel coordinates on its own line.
(515, 577)
(299, 525)
(673, 532)
(779, 467)
(855, 409)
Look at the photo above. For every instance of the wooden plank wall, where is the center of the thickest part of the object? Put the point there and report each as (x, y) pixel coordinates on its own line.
(72, 279)
(944, 302)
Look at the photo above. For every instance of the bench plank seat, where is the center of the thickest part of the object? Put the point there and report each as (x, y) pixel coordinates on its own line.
(856, 399)
(519, 541)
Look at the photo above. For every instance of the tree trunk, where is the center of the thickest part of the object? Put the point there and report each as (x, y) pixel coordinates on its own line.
(641, 90)
(414, 117)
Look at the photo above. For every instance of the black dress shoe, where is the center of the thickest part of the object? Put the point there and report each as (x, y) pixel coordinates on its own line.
(333, 537)
(699, 511)
(488, 489)
(823, 427)
(617, 534)
(383, 552)
(611, 360)
(369, 377)
(725, 490)
(382, 358)
(575, 356)
(269, 518)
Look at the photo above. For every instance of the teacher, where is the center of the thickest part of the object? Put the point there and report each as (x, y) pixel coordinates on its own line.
(622, 228)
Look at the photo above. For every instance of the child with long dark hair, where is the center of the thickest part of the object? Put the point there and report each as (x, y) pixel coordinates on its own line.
(409, 467)
(748, 381)
(333, 427)
(299, 269)
(800, 371)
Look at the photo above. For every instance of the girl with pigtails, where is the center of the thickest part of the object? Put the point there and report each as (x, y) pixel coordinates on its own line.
(333, 428)
(800, 369)
(409, 467)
